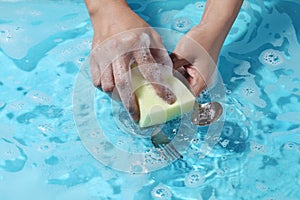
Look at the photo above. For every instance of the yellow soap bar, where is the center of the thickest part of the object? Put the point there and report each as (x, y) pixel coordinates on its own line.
(153, 109)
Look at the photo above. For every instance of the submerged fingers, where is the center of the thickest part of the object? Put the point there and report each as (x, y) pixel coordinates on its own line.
(124, 87)
(155, 74)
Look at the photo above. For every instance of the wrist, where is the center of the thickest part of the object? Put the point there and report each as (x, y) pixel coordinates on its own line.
(102, 7)
(210, 37)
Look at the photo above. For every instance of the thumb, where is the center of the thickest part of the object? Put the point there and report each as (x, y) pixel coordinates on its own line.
(178, 61)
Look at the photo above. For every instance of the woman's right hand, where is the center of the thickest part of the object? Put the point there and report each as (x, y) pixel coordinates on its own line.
(121, 37)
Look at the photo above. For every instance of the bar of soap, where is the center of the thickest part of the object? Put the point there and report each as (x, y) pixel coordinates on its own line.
(153, 109)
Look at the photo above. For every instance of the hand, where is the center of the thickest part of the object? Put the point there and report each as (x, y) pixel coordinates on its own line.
(195, 57)
(121, 38)
(197, 52)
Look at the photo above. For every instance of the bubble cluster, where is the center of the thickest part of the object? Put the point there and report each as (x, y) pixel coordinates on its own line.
(45, 147)
(154, 157)
(271, 57)
(200, 5)
(39, 97)
(161, 192)
(182, 24)
(45, 128)
(194, 179)
(233, 138)
(257, 148)
(248, 91)
(16, 106)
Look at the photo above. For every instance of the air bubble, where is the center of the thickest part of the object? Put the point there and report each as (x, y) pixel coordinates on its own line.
(227, 131)
(161, 192)
(182, 24)
(81, 60)
(271, 57)
(194, 179)
(44, 147)
(39, 97)
(46, 128)
(228, 91)
(290, 146)
(248, 91)
(257, 148)
(200, 5)
(196, 140)
(16, 106)
(224, 143)
(154, 157)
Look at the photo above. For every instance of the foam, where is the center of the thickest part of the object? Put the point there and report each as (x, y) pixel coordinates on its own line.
(161, 192)
(194, 179)
(271, 57)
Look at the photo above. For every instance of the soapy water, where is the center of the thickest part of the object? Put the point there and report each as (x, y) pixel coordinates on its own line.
(161, 192)
(112, 129)
(43, 157)
(271, 57)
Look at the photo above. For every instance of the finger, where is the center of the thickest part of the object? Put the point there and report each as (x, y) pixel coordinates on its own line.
(183, 72)
(197, 83)
(178, 61)
(154, 74)
(107, 80)
(182, 75)
(95, 72)
(162, 57)
(123, 84)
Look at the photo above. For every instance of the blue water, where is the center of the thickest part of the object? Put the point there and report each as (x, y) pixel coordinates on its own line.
(44, 45)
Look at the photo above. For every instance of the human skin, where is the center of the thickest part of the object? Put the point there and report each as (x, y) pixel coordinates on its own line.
(192, 61)
(111, 18)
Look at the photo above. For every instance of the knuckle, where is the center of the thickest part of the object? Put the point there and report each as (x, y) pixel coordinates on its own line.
(122, 84)
(129, 38)
(108, 87)
(96, 82)
(113, 44)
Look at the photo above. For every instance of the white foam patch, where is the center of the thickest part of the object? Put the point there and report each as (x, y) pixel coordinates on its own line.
(161, 192)
(250, 91)
(194, 179)
(271, 57)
